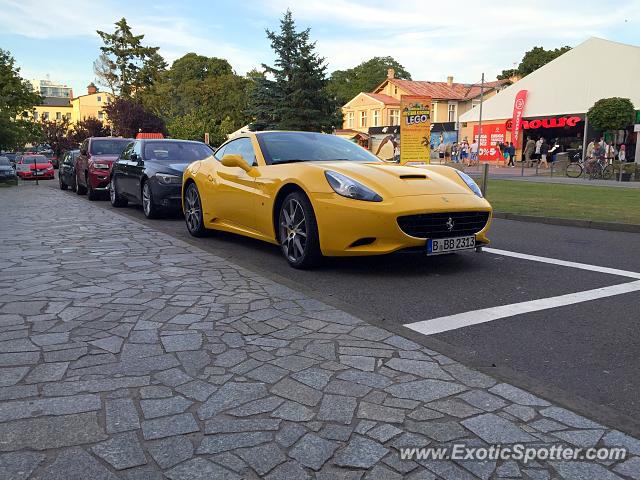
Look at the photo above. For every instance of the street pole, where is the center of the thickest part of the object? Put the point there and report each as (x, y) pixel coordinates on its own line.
(480, 117)
(584, 138)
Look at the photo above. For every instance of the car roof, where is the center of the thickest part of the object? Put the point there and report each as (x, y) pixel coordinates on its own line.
(168, 140)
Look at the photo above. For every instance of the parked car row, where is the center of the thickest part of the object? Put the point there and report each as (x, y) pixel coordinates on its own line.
(31, 166)
(310, 193)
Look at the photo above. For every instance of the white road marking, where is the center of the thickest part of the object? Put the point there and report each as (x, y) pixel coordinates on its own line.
(564, 263)
(474, 317)
(453, 322)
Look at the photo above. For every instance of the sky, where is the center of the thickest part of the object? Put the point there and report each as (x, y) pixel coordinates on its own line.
(430, 39)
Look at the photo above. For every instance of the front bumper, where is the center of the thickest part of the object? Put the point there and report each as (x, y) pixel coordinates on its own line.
(99, 179)
(347, 227)
(41, 175)
(166, 196)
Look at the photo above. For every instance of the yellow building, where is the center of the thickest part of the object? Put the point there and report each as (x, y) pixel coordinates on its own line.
(76, 109)
(382, 106)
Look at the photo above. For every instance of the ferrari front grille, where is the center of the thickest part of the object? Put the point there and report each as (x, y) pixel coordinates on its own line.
(443, 225)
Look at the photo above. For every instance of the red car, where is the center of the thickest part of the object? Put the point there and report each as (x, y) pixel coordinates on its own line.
(93, 165)
(32, 166)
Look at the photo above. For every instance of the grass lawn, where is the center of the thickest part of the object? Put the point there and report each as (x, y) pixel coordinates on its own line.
(608, 204)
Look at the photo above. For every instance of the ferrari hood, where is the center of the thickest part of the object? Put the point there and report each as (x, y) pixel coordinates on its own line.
(397, 180)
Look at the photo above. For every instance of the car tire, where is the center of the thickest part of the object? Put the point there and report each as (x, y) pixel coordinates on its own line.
(91, 193)
(116, 199)
(150, 209)
(63, 186)
(298, 231)
(80, 189)
(193, 211)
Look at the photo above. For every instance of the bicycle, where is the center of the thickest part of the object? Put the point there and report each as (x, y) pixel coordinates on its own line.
(599, 169)
(575, 167)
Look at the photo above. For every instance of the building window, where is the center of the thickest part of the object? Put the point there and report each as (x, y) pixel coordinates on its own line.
(452, 112)
(68, 116)
(475, 103)
(350, 116)
(45, 115)
(363, 119)
(376, 118)
(395, 90)
(99, 99)
(394, 117)
(35, 116)
(100, 115)
(58, 116)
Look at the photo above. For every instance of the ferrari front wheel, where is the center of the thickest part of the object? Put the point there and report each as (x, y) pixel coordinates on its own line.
(193, 211)
(298, 231)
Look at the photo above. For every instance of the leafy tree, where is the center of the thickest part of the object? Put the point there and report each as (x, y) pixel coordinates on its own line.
(151, 71)
(106, 73)
(16, 98)
(611, 114)
(129, 117)
(57, 134)
(346, 84)
(533, 60)
(296, 98)
(91, 127)
(507, 74)
(127, 57)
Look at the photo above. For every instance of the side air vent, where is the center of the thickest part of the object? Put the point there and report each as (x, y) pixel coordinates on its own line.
(362, 241)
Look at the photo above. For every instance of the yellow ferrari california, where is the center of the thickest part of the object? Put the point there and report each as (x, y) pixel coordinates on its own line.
(316, 194)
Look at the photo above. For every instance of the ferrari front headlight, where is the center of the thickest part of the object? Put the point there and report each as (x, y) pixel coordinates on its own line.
(348, 187)
(473, 186)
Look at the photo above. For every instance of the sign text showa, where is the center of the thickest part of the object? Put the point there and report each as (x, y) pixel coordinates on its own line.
(417, 114)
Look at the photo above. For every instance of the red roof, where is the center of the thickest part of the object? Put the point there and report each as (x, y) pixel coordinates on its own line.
(381, 97)
(146, 135)
(442, 90)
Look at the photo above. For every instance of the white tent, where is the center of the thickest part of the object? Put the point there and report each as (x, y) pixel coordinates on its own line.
(571, 83)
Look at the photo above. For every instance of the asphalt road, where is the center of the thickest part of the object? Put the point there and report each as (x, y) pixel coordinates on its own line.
(584, 356)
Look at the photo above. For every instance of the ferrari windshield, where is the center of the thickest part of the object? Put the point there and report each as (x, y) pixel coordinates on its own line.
(284, 147)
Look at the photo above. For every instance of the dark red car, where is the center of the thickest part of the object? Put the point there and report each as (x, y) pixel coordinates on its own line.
(93, 165)
(31, 166)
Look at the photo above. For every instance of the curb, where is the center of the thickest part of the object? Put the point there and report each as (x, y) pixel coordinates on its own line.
(567, 222)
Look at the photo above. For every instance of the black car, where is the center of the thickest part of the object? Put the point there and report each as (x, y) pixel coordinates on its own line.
(7, 171)
(67, 171)
(149, 172)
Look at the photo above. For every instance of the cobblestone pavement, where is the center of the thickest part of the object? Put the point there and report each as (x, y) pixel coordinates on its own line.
(126, 353)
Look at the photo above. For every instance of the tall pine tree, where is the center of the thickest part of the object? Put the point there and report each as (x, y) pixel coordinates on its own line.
(292, 95)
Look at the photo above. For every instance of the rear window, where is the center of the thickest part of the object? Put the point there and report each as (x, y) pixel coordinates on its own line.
(108, 147)
(32, 159)
(183, 152)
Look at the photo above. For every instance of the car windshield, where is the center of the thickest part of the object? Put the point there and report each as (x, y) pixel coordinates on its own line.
(4, 162)
(183, 152)
(109, 147)
(32, 159)
(283, 147)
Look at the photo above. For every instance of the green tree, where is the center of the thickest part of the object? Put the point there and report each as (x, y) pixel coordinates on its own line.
(127, 57)
(16, 99)
(90, 127)
(346, 84)
(611, 114)
(533, 60)
(129, 117)
(297, 97)
(58, 135)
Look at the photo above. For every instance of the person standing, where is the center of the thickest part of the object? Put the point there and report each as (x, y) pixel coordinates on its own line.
(512, 155)
(529, 150)
(609, 152)
(538, 146)
(590, 148)
(464, 152)
(474, 153)
(622, 154)
(544, 150)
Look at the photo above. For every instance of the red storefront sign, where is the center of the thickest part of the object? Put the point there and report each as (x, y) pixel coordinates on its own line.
(516, 121)
(552, 122)
(492, 135)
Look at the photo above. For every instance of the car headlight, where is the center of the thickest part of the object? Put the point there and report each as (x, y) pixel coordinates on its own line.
(473, 186)
(168, 179)
(100, 166)
(347, 187)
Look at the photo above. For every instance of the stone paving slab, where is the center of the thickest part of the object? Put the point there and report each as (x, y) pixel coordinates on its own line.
(129, 354)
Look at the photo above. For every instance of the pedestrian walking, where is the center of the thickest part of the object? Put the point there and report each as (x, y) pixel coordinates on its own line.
(529, 150)
(622, 154)
(455, 152)
(464, 152)
(474, 153)
(512, 155)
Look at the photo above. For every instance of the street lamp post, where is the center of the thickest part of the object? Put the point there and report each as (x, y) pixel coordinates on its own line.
(480, 117)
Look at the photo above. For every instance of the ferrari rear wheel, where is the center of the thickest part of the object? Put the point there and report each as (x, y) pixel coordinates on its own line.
(193, 211)
(298, 231)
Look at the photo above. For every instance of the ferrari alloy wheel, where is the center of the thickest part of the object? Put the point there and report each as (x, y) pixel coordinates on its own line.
(298, 231)
(193, 211)
(116, 200)
(148, 207)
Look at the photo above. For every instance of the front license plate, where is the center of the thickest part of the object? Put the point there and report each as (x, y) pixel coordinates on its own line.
(436, 246)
